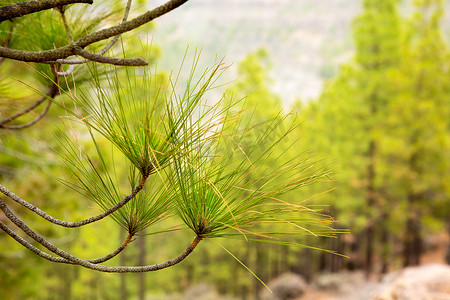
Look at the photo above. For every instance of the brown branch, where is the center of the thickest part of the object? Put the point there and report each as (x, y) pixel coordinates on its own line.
(116, 38)
(53, 220)
(129, 25)
(84, 263)
(20, 9)
(113, 254)
(52, 92)
(31, 123)
(103, 51)
(111, 60)
(49, 56)
(30, 247)
(58, 259)
(66, 25)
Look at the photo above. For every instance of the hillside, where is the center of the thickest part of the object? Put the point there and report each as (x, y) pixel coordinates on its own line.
(307, 39)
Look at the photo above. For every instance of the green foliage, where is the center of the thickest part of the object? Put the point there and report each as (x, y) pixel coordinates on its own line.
(384, 119)
(418, 124)
(210, 165)
(376, 34)
(233, 169)
(231, 186)
(142, 117)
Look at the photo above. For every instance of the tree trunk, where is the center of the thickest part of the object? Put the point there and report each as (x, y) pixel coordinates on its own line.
(141, 262)
(371, 202)
(412, 244)
(447, 254)
(385, 237)
(123, 276)
(259, 268)
(284, 260)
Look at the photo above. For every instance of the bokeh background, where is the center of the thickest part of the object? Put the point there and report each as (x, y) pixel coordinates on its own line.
(369, 83)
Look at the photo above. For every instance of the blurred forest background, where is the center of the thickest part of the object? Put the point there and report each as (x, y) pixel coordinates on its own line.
(369, 82)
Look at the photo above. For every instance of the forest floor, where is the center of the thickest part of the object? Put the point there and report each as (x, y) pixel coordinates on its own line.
(358, 288)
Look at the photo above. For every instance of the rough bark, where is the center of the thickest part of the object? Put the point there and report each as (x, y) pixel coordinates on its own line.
(20, 9)
(53, 220)
(74, 48)
(84, 263)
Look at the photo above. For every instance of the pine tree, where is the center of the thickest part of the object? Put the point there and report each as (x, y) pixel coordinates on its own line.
(146, 148)
(418, 124)
(348, 121)
(376, 34)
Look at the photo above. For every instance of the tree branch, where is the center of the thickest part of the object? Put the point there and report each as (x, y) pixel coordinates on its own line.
(103, 51)
(84, 263)
(131, 24)
(113, 254)
(28, 7)
(52, 92)
(31, 123)
(66, 25)
(71, 49)
(53, 220)
(58, 259)
(111, 60)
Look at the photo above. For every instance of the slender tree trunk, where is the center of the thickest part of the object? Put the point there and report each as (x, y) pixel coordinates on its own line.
(385, 241)
(141, 262)
(338, 260)
(354, 261)
(259, 268)
(274, 264)
(284, 260)
(323, 256)
(123, 276)
(245, 288)
(309, 269)
(447, 254)
(412, 243)
(371, 201)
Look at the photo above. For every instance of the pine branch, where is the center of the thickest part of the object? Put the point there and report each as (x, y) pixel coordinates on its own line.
(49, 56)
(84, 263)
(20, 9)
(52, 92)
(113, 254)
(53, 220)
(103, 51)
(57, 259)
(110, 60)
(31, 123)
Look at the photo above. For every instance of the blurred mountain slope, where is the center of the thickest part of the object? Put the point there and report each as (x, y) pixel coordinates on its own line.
(307, 39)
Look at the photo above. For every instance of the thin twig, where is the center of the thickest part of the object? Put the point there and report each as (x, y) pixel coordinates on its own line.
(52, 92)
(67, 72)
(103, 51)
(31, 123)
(116, 38)
(53, 220)
(84, 263)
(113, 254)
(111, 60)
(58, 259)
(66, 25)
